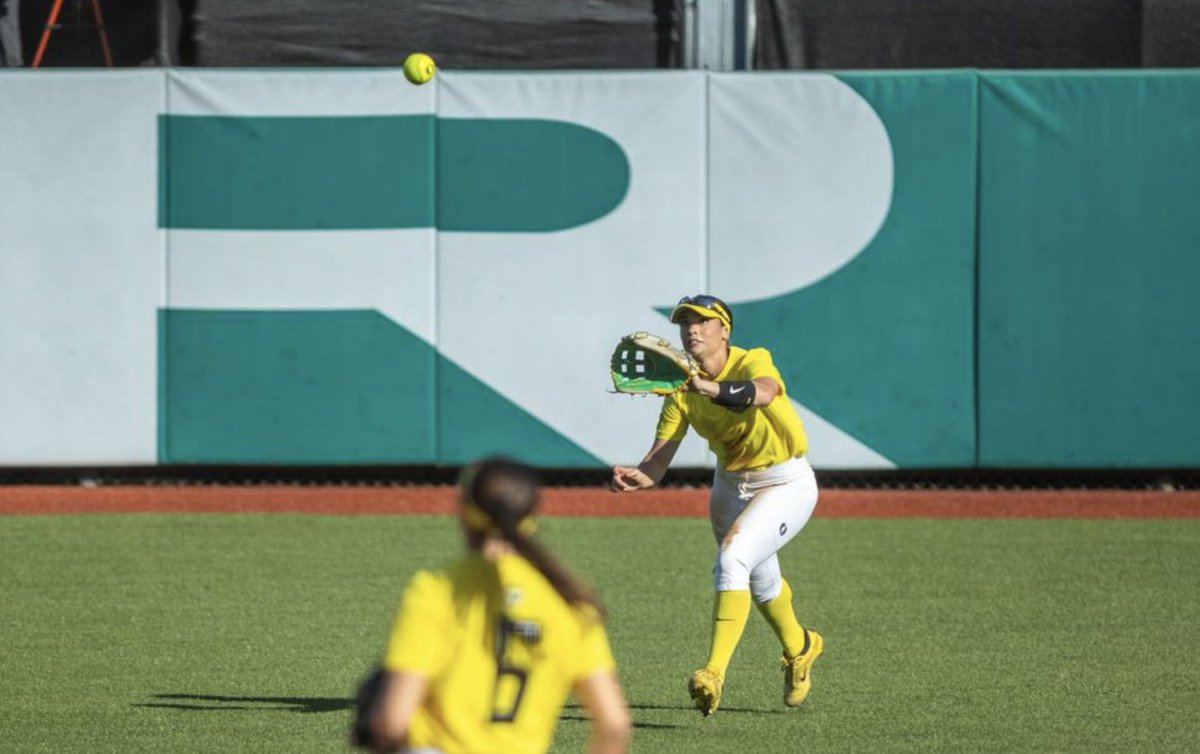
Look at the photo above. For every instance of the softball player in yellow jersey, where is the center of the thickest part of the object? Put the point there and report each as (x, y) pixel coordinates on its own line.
(763, 492)
(484, 652)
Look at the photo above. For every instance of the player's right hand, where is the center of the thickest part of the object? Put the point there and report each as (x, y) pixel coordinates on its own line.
(629, 479)
(698, 384)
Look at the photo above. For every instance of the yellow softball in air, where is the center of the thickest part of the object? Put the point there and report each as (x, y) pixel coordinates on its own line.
(419, 68)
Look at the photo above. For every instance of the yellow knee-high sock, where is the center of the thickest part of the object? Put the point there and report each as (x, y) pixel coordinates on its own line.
(730, 611)
(782, 618)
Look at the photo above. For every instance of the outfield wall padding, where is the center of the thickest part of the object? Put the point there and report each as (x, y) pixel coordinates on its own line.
(1089, 258)
(303, 267)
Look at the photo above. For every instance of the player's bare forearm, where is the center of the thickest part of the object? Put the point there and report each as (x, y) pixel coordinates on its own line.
(702, 386)
(649, 472)
(612, 726)
(765, 390)
(629, 479)
(656, 462)
(401, 694)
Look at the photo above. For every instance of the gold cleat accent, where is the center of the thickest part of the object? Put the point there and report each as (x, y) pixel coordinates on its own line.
(705, 688)
(797, 678)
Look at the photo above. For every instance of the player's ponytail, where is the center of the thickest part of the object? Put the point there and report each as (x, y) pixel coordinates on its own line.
(499, 496)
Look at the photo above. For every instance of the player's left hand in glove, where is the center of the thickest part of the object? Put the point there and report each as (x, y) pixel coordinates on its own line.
(647, 364)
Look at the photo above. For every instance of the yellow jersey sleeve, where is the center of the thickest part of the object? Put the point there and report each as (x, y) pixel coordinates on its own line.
(425, 617)
(595, 654)
(757, 362)
(672, 424)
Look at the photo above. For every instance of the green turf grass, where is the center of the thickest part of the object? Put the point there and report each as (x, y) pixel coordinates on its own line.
(238, 633)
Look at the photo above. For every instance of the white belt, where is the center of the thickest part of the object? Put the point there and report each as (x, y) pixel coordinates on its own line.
(780, 473)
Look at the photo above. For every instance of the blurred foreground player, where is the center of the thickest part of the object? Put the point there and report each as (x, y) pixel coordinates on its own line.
(485, 651)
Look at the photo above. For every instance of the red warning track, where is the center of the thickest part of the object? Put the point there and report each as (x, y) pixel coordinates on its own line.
(588, 501)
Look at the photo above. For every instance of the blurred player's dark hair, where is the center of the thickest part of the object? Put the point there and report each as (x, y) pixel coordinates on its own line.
(508, 493)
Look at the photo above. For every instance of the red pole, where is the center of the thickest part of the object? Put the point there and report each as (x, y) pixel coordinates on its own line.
(37, 58)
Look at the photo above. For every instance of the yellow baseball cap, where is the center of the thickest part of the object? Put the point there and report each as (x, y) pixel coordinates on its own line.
(706, 306)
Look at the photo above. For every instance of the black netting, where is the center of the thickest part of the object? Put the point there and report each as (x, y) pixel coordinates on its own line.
(1042, 479)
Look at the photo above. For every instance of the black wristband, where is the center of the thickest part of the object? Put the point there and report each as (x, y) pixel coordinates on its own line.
(736, 394)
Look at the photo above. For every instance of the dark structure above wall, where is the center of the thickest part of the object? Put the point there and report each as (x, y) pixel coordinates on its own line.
(621, 34)
(1170, 33)
(875, 34)
(462, 34)
(75, 42)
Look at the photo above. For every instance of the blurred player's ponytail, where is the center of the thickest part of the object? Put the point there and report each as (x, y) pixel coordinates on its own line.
(499, 497)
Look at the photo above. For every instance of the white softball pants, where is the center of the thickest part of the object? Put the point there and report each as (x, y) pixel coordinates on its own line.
(753, 515)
